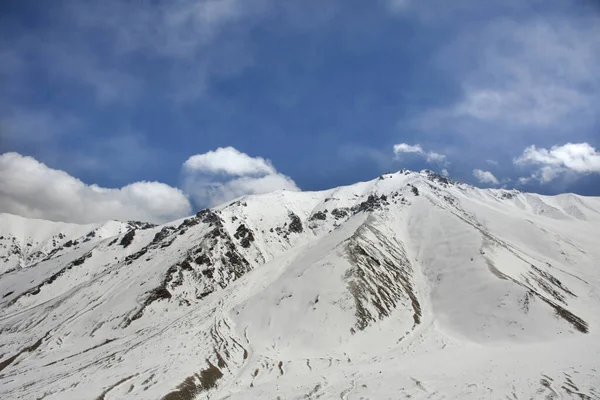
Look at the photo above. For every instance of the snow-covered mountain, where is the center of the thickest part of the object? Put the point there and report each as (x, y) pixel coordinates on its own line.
(407, 286)
(28, 241)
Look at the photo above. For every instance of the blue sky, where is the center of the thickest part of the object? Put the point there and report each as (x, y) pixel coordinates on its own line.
(117, 92)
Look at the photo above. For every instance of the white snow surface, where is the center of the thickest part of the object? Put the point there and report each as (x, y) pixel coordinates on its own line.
(407, 286)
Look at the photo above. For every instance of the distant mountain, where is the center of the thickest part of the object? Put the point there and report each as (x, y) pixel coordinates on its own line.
(411, 285)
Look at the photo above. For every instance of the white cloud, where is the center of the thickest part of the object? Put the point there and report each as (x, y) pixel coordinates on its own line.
(543, 175)
(485, 177)
(32, 189)
(577, 158)
(493, 162)
(218, 176)
(445, 172)
(407, 148)
(433, 157)
(229, 161)
(430, 156)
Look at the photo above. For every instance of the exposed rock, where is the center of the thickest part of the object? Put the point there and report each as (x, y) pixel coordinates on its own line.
(164, 232)
(218, 232)
(295, 224)
(372, 203)
(245, 235)
(128, 238)
(82, 259)
(450, 199)
(36, 289)
(509, 195)
(159, 293)
(188, 222)
(193, 385)
(140, 225)
(174, 278)
(379, 280)
(167, 244)
(435, 177)
(319, 215)
(339, 213)
(186, 266)
(130, 258)
(207, 216)
(29, 349)
(203, 259)
(208, 272)
(236, 263)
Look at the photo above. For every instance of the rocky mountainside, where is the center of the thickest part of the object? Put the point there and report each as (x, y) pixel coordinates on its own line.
(24, 242)
(407, 286)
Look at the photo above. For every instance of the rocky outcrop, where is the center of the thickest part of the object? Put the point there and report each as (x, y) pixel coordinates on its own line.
(127, 238)
(208, 216)
(295, 224)
(372, 203)
(339, 213)
(380, 279)
(244, 235)
(319, 215)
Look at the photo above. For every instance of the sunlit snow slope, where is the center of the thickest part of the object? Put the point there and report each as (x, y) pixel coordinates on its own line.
(407, 286)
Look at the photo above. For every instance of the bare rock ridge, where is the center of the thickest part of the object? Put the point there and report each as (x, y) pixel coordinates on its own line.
(372, 290)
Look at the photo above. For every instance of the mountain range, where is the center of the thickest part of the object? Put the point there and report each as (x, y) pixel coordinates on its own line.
(411, 285)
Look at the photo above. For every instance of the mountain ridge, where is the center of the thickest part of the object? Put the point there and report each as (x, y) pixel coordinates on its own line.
(268, 294)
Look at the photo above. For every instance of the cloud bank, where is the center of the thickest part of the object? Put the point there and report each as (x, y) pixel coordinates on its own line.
(218, 176)
(574, 158)
(32, 189)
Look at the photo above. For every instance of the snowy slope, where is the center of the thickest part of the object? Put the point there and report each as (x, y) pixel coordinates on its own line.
(24, 242)
(409, 285)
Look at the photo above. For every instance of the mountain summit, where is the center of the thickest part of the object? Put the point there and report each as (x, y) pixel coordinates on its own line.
(411, 285)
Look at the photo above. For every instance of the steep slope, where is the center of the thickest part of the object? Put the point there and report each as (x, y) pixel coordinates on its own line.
(408, 285)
